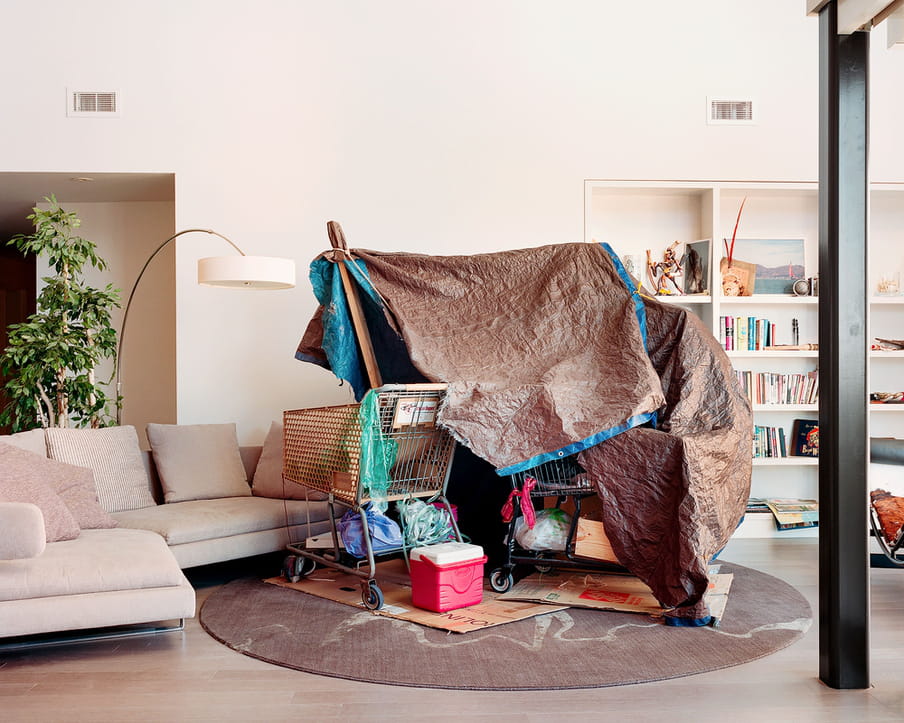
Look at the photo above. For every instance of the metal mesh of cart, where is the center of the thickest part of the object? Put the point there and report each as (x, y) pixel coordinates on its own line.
(323, 446)
(557, 477)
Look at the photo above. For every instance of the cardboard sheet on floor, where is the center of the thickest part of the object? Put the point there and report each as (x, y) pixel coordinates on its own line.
(393, 578)
(619, 592)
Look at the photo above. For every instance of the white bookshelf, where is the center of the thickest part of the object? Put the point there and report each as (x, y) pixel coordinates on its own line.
(633, 216)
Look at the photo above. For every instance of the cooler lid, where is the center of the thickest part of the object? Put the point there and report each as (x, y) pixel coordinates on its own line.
(447, 553)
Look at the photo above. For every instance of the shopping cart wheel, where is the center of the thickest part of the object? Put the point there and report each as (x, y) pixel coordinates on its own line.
(292, 568)
(501, 580)
(306, 566)
(372, 595)
(543, 567)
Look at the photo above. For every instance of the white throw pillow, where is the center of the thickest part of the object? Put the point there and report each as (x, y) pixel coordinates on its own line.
(198, 461)
(114, 456)
(32, 441)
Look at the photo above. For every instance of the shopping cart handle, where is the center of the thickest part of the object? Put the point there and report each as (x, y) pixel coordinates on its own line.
(337, 237)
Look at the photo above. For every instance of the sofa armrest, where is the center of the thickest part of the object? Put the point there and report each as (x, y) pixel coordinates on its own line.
(22, 532)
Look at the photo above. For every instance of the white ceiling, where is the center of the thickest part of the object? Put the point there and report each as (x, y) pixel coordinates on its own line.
(19, 192)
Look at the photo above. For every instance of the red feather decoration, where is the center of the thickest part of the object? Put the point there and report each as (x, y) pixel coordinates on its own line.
(730, 249)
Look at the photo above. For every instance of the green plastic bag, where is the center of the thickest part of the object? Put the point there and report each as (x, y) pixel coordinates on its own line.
(378, 453)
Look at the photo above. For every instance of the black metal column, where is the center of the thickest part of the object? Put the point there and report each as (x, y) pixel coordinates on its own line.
(843, 448)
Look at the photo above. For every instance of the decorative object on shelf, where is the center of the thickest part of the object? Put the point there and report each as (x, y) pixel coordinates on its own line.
(662, 273)
(889, 284)
(696, 265)
(738, 277)
(886, 398)
(241, 272)
(805, 438)
(51, 358)
(778, 263)
(887, 345)
(633, 264)
(806, 287)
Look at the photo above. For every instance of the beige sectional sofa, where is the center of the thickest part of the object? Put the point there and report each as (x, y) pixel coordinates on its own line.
(117, 558)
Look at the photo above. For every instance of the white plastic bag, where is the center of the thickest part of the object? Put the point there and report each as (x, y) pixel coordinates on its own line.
(550, 532)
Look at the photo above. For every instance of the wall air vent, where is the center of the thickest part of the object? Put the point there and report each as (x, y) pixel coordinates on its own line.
(92, 104)
(730, 112)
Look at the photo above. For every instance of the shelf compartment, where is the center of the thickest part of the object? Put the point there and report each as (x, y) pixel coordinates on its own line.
(786, 407)
(776, 354)
(785, 461)
(768, 300)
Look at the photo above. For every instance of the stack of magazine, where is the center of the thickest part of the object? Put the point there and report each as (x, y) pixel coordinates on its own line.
(789, 514)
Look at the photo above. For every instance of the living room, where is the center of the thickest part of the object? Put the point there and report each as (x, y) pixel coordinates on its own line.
(425, 127)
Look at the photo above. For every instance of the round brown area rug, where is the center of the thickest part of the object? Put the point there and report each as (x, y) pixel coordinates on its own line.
(572, 648)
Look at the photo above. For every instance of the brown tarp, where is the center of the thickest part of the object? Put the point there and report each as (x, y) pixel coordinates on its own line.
(543, 350)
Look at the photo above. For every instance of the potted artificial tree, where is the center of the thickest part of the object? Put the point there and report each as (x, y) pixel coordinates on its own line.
(51, 358)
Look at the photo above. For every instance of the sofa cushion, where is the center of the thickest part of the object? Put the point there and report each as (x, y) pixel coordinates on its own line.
(98, 561)
(75, 486)
(198, 461)
(32, 440)
(21, 531)
(197, 520)
(19, 482)
(114, 456)
(268, 479)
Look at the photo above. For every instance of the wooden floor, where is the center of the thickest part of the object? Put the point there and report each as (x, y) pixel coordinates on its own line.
(188, 676)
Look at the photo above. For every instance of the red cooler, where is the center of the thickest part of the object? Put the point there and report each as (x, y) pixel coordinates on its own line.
(446, 576)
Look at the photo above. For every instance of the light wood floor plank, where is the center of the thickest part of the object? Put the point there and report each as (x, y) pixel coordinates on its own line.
(190, 677)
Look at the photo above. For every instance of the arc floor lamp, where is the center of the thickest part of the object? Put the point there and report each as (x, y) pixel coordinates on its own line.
(242, 272)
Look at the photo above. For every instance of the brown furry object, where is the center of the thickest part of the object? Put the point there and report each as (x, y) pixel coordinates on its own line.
(890, 511)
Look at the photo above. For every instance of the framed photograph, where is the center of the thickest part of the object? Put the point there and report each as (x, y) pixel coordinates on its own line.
(805, 438)
(779, 263)
(695, 266)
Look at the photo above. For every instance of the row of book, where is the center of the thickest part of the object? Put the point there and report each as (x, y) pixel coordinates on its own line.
(775, 388)
(745, 333)
(772, 442)
(769, 442)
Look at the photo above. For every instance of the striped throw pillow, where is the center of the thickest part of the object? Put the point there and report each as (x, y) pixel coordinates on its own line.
(114, 456)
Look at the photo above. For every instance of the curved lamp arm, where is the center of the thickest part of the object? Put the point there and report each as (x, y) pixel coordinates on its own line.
(284, 275)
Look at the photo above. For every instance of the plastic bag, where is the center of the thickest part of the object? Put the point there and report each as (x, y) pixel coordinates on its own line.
(378, 452)
(385, 534)
(550, 531)
(425, 524)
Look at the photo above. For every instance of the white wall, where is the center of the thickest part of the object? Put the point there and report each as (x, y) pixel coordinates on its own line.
(433, 126)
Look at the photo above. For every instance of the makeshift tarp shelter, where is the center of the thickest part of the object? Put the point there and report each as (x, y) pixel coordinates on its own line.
(552, 351)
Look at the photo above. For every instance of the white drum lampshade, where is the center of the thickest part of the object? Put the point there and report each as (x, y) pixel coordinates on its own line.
(248, 272)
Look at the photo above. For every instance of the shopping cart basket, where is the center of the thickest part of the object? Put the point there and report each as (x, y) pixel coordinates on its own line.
(331, 450)
(562, 479)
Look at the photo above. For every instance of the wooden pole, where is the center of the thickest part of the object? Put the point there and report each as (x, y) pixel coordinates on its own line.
(340, 255)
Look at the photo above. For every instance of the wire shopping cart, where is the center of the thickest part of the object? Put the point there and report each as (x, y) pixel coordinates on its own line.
(562, 479)
(330, 449)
